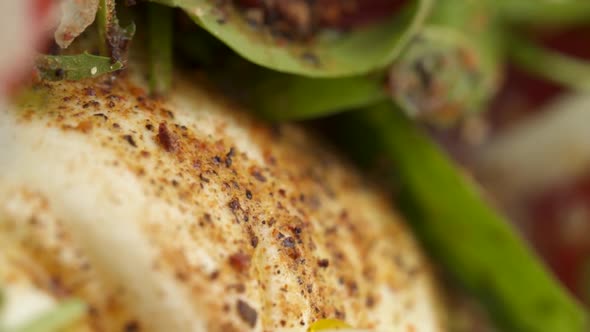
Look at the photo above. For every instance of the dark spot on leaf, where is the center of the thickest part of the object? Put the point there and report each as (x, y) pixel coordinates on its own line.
(311, 58)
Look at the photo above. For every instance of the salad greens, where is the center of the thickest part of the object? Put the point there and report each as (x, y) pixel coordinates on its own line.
(476, 245)
(358, 52)
(75, 67)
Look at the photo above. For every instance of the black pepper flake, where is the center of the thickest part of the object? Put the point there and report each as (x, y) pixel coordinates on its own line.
(228, 157)
(217, 160)
(289, 242)
(234, 204)
(352, 288)
(203, 178)
(247, 313)
(131, 326)
(258, 176)
(101, 115)
(323, 263)
(130, 140)
(254, 241)
(168, 113)
(149, 127)
(248, 194)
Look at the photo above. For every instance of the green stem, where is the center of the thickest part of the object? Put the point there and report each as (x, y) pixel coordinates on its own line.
(103, 21)
(553, 66)
(160, 47)
(465, 235)
(544, 12)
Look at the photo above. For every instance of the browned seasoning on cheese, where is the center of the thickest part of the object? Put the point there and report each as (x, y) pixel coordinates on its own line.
(286, 194)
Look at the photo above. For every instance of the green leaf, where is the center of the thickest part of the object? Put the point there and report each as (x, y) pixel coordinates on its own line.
(56, 319)
(360, 51)
(450, 67)
(463, 233)
(553, 66)
(74, 67)
(289, 97)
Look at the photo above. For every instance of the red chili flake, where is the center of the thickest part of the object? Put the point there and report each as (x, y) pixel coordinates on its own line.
(166, 139)
(239, 261)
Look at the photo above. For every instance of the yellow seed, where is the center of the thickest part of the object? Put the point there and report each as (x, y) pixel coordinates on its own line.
(328, 324)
